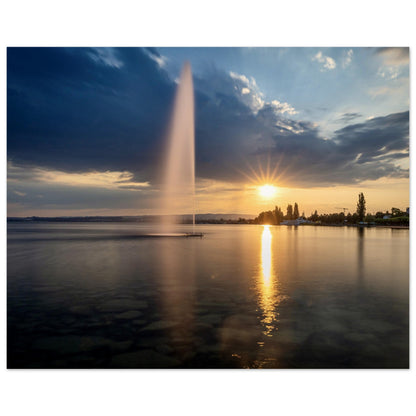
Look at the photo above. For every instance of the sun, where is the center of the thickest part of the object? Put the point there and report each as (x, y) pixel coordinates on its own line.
(267, 191)
(263, 178)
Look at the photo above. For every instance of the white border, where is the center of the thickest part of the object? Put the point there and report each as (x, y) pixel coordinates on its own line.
(212, 23)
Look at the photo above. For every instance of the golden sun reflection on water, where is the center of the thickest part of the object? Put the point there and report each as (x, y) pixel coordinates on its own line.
(266, 253)
(266, 283)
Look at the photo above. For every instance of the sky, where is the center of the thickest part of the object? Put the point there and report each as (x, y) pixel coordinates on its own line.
(87, 128)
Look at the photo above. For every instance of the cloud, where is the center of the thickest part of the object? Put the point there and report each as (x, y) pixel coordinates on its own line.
(153, 54)
(248, 88)
(327, 62)
(44, 198)
(73, 118)
(90, 179)
(72, 113)
(348, 117)
(254, 97)
(283, 107)
(106, 56)
(395, 63)
(240, 77)
(381, 141)
(237, 139)
(388, 72)
(398, 88)
(19, 193)
(47, 192)
(394, 56)
(347, 58)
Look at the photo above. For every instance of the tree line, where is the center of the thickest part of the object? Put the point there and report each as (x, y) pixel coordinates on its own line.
(277, 216)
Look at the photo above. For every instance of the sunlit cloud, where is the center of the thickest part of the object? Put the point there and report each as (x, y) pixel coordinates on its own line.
(290, 126)
(156, 57)
(107, 179)
(240, 77)
(280, 107)
(253, 96)
(327, 62)
(394, 56)
(395, 63)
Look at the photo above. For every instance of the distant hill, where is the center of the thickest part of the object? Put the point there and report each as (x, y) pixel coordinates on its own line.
(224, 216)
(135, 218)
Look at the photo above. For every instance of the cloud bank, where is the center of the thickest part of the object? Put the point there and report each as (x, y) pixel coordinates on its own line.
(80, 110)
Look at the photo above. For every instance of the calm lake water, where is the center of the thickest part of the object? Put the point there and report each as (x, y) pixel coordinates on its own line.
(101, 295)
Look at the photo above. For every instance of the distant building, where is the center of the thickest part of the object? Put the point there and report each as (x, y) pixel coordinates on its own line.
(386, 217)
(298, 221)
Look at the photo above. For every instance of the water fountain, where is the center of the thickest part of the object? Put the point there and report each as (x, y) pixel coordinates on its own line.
(179, 182)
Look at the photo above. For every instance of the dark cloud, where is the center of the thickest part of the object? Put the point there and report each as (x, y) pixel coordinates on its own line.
(70, 109)
(82, 109)
(355, 153)
(236, 138)
(348, 117)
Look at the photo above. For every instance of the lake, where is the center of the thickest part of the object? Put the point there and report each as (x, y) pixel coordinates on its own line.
(106, 295)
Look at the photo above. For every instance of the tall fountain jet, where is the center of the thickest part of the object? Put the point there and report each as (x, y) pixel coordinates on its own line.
(179, 183)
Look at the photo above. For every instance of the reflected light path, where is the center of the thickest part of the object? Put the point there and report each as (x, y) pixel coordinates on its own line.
(266, 283)
(266, 253)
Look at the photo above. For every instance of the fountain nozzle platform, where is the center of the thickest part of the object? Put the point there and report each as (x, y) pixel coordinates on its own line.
(200, 235)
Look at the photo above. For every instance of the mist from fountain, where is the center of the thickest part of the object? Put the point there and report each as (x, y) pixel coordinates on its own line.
(179, 180)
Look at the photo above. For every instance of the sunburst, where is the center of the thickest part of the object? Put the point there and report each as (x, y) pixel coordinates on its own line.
(265, 178)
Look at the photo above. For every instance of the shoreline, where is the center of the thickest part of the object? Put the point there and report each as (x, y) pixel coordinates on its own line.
(95, 220)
